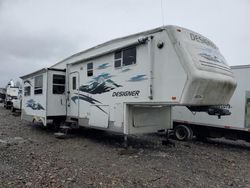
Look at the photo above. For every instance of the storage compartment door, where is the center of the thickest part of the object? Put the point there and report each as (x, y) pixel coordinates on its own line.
(150, 116)
(148, 119)
(99, 116)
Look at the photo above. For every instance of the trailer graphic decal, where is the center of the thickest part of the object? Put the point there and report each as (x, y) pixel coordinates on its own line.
(87, 99)
(103, 66)
(100, 84)
(138, 78)
(34, 105)
(134, 93)
(27, 82)
(211, 55)
(126, 70)
(211, 58)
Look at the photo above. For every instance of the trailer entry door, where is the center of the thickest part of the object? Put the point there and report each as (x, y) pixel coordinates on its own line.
(73, 103)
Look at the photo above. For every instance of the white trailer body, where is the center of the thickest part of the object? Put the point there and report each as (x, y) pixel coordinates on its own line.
(11, 93)
(237, 122)
(44, 96)
(17, 102)
(128, 85)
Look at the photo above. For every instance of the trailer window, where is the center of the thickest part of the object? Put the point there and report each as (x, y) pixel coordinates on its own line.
(58, 84)
(90, 69)
(38, 85)
(118, 59)
(125, 57)
(27, 91)
(129, 56)
(74, 83)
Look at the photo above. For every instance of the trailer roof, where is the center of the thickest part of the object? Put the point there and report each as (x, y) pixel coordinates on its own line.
(34, 73)
(148, 32)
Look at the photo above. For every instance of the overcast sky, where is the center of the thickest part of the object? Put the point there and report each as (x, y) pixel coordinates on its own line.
(39, 33)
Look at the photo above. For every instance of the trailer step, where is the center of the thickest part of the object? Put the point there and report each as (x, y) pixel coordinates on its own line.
(70, 121)
(65, 127)
(60, 135)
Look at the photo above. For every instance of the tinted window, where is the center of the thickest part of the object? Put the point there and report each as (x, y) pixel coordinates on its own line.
(90, 69)
(27, 91)
(58, 84)
(58, 89)
(129, 56)
(74, 83)
(118, 55)
(118, 63)
(118, 59)
(90, 66)
(58, 79)
(38, 85)
(125, 57)
(90, 72)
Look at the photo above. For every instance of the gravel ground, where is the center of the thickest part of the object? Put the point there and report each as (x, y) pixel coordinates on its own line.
(31, 156)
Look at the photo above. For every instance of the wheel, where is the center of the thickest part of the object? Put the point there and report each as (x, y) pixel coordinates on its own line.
(183, 133)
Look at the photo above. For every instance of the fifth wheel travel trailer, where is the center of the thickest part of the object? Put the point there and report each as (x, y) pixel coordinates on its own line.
(235, 126)
(129, 85)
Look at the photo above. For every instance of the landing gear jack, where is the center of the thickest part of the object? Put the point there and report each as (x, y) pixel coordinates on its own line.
(167, 141)
(125, 141)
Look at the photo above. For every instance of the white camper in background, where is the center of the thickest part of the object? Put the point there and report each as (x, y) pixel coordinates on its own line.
(129, 85)
(11, 93)
(235, 126)
(17, 102)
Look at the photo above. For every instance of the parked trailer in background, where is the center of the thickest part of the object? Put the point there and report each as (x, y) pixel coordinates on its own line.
(129, 85)
(17, 102)
(2, 95)
(235, 126)
(11, 93)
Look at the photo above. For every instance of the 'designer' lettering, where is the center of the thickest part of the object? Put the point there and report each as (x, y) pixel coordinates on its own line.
(126, 93)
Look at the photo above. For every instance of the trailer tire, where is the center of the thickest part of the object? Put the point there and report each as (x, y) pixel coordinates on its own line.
(183, 133)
